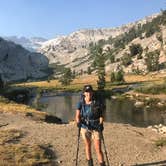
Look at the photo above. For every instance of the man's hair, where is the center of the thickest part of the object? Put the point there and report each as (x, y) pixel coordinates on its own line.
(88, 88)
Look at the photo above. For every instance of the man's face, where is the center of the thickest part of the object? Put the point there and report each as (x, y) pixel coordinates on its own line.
(88, 94)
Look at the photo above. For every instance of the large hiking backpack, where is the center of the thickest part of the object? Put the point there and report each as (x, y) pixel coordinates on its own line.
(97, 108)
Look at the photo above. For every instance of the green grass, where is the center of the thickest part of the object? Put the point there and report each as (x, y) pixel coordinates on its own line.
(152, 89)
(161, 142)
(4, 100)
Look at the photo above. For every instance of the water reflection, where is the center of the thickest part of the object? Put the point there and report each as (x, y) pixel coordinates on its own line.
(61, 106)
(118, 111)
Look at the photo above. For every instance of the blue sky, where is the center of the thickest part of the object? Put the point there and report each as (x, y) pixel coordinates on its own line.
(51, 18)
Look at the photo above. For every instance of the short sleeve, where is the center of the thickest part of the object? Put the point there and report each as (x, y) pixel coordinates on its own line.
(79, 106)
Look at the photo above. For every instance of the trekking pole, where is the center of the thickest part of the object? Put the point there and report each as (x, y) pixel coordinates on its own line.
(78, 142)
(105, 150)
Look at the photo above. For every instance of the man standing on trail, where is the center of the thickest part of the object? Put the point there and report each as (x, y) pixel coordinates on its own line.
(90, 121)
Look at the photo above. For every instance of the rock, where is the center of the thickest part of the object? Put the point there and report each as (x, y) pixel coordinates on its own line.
(113, 97)
(160, 125)
(153, 129)
(52, 119)
(17, 63)
(163, 130)
(147, 98)
(31, 44)
(159, 104)
(155, 126)
(139, 104)
(158, 128)
(150, 127)
(59, 161)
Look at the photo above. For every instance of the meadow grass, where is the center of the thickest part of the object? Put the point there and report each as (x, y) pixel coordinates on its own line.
(152, 89)
(10, 106)
(80, 81)
(160, 142)
(76, 84)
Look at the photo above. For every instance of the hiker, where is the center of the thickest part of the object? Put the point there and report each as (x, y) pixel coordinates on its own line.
(90, 121)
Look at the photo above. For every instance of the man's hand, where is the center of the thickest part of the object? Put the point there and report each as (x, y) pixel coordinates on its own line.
(100, 127)
(79, 124)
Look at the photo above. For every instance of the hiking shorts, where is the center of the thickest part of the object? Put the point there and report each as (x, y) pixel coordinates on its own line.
(90, 134)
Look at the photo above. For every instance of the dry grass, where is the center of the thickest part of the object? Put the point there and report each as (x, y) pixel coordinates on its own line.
(76, 84)
(9, 136)
(27, 155)
(21, 108)
(14, 108)
(92, 79)
(13, 153)
(86, 79)
(46, 84)
(155, 78)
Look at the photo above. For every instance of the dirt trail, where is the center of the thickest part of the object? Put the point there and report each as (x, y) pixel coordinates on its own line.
(126, 145)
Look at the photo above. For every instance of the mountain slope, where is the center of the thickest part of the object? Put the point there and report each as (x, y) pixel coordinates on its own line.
(73, 50)
(31, 44)
(16, 63)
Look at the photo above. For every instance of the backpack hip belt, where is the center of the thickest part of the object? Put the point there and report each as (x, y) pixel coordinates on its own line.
(88, 121)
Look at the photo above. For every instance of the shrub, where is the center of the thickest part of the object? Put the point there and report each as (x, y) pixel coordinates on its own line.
(1, 83)
(160, 142)
(152, 60)
(126, 60)
(112, 78)
(117, 76)
(66, 77)
(136, 49)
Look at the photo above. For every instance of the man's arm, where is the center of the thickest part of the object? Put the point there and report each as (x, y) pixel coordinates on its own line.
(101, 120)
(77, 116)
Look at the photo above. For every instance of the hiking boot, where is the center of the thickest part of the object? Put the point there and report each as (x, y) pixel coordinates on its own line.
(102, 164)
(90, 162)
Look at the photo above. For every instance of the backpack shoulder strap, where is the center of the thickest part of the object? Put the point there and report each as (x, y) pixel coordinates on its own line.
(82, 103)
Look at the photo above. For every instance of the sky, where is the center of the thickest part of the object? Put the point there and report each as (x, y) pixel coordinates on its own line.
(52, 18)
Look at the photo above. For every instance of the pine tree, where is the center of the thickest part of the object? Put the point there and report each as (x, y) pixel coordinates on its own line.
(112, 77)
(126, 59)
(136, 49)
(66, 77)
(119, 76)
(1, 83)
(89, 71)
(100, 64)
(152, 60)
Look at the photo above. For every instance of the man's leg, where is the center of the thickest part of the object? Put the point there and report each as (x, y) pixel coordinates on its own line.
(87, 140)
(88, 148)
(97, 144)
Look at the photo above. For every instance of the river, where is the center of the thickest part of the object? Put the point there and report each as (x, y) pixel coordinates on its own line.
(117, 111)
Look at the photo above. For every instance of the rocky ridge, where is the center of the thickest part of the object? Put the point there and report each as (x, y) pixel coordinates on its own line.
(72, 50)
(17, 63)
(31, 44)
